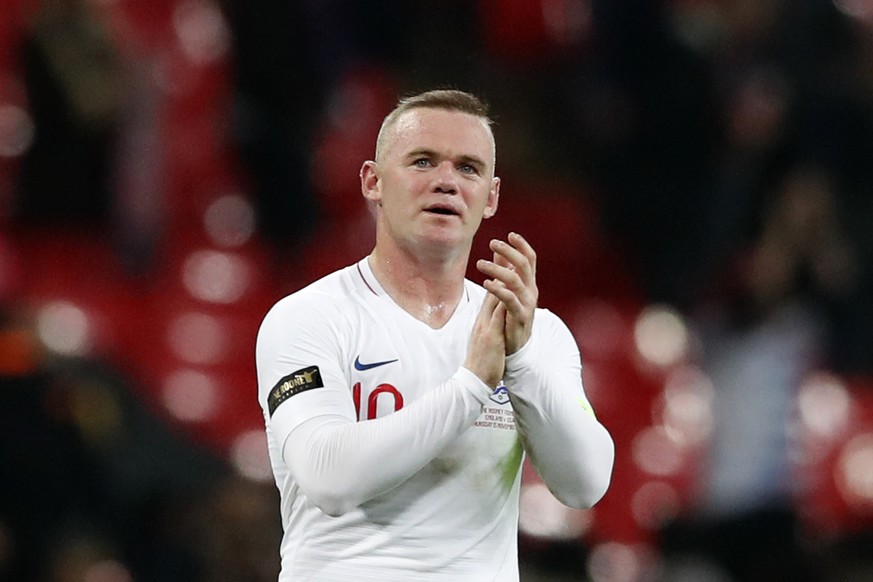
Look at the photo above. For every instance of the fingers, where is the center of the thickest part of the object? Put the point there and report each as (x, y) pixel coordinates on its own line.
(512, 281)
(498, 318)
(512, 273)
(487, 348)
(508, 298)
(492, 317)
(517, 253)
(496, 314)
(512, 256)
(488, 306)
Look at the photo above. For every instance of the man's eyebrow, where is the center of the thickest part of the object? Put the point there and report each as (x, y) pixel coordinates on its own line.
(420, 152)
(465, 159)
(474, 161)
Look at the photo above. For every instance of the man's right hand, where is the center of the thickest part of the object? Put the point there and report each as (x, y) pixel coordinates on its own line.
(486, 353)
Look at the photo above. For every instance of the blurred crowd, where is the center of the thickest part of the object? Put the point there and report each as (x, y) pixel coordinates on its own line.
(725, 143)
(717, 153)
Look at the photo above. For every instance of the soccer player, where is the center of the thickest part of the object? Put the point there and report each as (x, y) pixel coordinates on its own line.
(400, 398)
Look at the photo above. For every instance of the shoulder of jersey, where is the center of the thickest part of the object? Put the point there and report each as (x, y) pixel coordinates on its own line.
(326, 293)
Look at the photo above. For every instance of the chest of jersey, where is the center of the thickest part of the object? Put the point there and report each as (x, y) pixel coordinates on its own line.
(394, 359)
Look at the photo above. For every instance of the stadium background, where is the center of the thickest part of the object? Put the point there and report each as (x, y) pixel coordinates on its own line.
(695, 175)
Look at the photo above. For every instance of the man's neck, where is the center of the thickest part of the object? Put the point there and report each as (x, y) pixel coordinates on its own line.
(429, 289)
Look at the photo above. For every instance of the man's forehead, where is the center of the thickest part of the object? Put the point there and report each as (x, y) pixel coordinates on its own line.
(419, 125)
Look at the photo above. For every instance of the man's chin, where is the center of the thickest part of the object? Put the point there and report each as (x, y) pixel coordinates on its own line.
(444, 240)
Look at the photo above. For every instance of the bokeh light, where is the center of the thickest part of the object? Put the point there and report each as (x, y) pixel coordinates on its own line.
(661, 336)
(249, 456)
(229, 221)
(687, 415)
(616, 562)
(656, 453)
(202, 32)
(824, 405)
(16, 131)
(855, 471)
(215, 276)
(64, 328)
(108, 571)
(859, 9)
(197, 338)
(190, 395)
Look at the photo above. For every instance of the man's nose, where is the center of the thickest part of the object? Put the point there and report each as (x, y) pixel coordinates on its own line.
(446, 178)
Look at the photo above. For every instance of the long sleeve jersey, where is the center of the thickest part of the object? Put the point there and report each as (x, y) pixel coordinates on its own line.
(392, 460)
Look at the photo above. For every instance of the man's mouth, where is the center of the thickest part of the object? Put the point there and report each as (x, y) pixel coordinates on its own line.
(442, 210)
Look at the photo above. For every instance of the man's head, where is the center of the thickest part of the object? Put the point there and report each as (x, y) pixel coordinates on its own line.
(433, 181)
(445, 99)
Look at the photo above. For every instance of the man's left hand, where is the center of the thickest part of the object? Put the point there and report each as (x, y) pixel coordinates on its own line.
(513, 281)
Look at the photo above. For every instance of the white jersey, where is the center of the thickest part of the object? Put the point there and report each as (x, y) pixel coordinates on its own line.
(342, 349)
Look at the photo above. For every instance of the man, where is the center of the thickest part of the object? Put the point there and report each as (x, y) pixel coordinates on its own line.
(400, 398)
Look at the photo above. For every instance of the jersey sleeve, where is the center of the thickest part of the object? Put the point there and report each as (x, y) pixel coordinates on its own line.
(298, 355)
(569, 448)
(340, 463)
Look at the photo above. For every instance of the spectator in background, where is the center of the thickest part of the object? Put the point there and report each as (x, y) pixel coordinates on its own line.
(76, 92)
(758, 342)
(278, 90)
(94, 483)
(646, 105)
(96, 161)
(290, 58)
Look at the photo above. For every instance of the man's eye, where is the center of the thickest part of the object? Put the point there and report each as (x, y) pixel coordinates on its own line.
(469, 169)
(421, 163)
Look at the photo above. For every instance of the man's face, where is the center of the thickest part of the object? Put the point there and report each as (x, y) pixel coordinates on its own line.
(434, 181)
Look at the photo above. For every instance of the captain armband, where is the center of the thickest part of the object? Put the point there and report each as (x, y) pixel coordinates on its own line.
(294, 383)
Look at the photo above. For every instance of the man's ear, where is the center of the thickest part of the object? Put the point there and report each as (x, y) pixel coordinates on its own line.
(370, 182)
(493, 198)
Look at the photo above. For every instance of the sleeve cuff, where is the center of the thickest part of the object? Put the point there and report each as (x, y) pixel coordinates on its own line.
(523, 358)
(474, 385)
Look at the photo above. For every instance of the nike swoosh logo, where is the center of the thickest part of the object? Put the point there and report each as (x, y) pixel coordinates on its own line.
(361, 367)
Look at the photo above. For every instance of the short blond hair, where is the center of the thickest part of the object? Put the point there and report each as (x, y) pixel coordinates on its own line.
(445, 99)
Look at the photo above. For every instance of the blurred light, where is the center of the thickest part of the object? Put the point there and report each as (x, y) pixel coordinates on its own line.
(197, 338)
(614, 562)
(543, 516)
(215, 276)
(654, 504)
(687, 414)
(601, 330)
(661, 336)
(64, 328)
(201, 30)
(824, 404)
(230, 221)
(655, 452)
(567, 21)
(249, 456)
(171, 76)
(700, 25)
(858, 9)
(16, 131)
(855, 471)
(190, 396)
(10, 269)
(108, 571)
